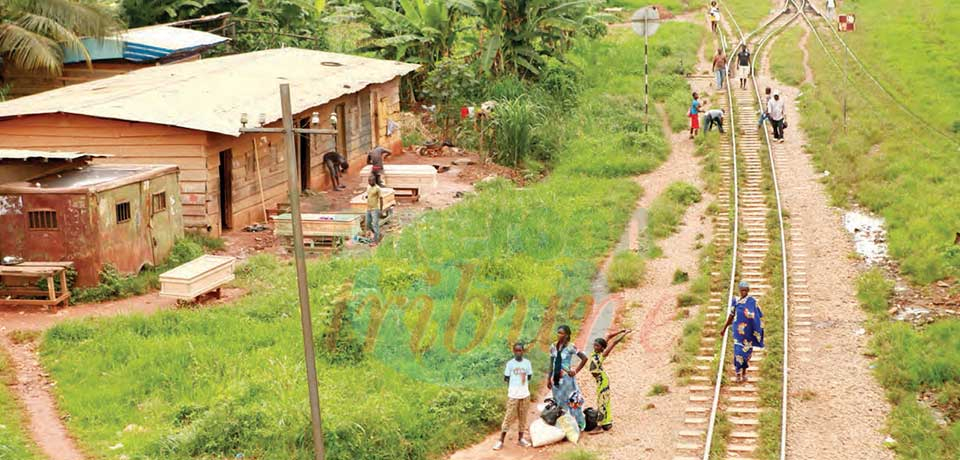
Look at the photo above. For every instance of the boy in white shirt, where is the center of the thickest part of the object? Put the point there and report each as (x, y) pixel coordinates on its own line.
(517, 375)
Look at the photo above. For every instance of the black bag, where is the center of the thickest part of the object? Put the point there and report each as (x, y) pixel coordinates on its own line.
(552, 412)
(591, 416)
(784, 123)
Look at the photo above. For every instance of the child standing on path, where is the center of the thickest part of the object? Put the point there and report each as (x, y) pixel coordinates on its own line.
(694, 115)
(601, 349)
(517, 375)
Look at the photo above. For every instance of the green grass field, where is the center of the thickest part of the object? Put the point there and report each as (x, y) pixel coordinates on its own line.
(786, 57)
(411, 350)
(749, 13)
(14, 442)
(883, 159)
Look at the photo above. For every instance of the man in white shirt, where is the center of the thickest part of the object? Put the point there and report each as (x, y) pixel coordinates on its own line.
(517, 375)
(776, 113)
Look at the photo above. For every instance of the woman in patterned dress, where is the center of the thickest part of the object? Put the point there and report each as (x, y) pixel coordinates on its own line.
(601, 349)
(747, 332)
(562, 379)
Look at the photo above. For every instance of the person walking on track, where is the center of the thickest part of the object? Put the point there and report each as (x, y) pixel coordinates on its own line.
(517, 375)
(747, 319)
(720, 67)
(831, 9)
(714, 14)
(601, 349)
(775, 112)
(763, 110)
(743, 66)
(562, 380)
(694, 115)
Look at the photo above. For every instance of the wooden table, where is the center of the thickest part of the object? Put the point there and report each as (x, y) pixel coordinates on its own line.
(18, 284)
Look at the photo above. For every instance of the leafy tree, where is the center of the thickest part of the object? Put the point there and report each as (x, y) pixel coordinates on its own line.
(34, 32)
(423, 31)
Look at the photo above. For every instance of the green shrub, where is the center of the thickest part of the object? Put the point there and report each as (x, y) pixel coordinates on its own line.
(209, 243)
(561, 81)
(516, 124)
(506, 88)
(680, 276)
(874, 291)
(626, 271)
(667, 210)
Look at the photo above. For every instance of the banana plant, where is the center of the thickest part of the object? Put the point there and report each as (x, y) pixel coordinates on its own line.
(422, 31)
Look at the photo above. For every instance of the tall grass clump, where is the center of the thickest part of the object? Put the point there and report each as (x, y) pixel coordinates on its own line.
(786, 58)
(517, 121)
(667, 210)
(626, 271)
(14, 441)
(413, 336)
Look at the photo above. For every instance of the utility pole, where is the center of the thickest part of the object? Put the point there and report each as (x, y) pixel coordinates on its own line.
(293, 185)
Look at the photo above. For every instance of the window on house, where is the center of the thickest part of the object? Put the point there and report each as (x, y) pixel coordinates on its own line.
(123, 212)
(42, 220)
(159, 202)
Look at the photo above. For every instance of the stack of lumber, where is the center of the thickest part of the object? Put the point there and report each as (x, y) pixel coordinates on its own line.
(405, 176)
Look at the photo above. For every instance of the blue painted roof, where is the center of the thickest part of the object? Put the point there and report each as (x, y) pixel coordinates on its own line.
(144, 44)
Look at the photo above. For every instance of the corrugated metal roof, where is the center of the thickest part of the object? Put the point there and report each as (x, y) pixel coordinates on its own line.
(149, 43)
(14, 154)
(210, 94)
(144, 44)
(92, 177)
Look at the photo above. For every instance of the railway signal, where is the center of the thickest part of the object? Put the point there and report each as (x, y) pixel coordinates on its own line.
(645, 23)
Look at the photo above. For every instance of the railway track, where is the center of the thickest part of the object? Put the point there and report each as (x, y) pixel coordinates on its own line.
(723, 420)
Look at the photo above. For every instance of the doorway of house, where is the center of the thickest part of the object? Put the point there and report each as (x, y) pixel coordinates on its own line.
(226, 189)
(303, 159)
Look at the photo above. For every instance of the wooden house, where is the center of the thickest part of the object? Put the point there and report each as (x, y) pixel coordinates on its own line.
(127, 216)
(189, 114)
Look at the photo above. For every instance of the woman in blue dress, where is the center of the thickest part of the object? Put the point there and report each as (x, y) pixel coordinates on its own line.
(562, 378)
(747, 318)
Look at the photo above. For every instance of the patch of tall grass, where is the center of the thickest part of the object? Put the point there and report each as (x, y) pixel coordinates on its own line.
(667, 210)
(749, 13)
(786, 58)
(411, 339)
(626, 271)
(14, 441)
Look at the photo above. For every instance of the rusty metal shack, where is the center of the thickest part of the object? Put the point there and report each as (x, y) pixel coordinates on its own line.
(189, 114)
(128, 216)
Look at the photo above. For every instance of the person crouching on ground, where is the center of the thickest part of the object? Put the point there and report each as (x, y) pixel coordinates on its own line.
(747, 318)
(517, 375)
(562, 378)
(713, 117)
(601, 349)
(336, 164)
(374, 205)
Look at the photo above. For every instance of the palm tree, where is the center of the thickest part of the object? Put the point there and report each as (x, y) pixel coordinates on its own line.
(33, 33)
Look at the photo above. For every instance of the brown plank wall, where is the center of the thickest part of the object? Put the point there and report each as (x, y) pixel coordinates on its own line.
(198, 153)
(128, 142)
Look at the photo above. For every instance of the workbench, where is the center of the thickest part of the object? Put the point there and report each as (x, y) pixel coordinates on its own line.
(19, 284)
